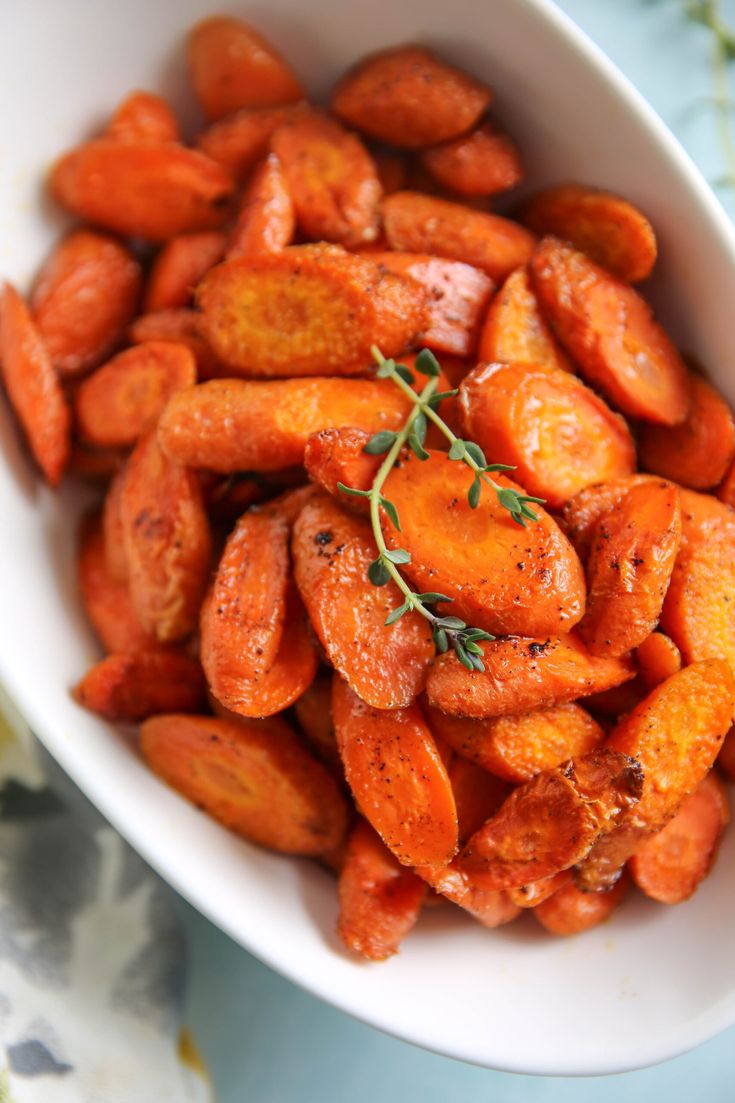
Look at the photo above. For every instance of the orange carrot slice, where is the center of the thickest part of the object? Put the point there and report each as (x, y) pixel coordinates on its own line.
(514, 330)
(266, 221)
(133, 687)
(697, 452)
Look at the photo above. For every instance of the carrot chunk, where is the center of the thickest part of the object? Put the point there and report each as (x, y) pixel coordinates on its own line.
(697, 452)
(657, 658)
(231, 425)
(307, 311)
(491, 908)
(551, 822)
(133, 687)
(514, 330)
(518, 747)
(314, 714)
(582, 513)
(32, 386)
(112, 527)
(500, 577)
(142, 189)
(335, 456)
(379, 899)
(233, 66)
(697, 610)
(558, 434)
(182, 327)
(535, 892)
(145, 117)
(397, 777)
(238, 142)
(417, 223)
(167, 541)
(630, 566)
(266, 220)
(409, 97)
(570, 911)
(124, 397)
(675, 735)
(483, 162)
(385, 664)
(254, 776)
(522, 674)
(611, 334)
(670, 865)
(331, 177)
(458, 295)
(477, 794)
(610, 230)
(84, 297)
(181, 264)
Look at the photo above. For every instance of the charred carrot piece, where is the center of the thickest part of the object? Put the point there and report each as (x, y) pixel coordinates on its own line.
(397, 777)
(125, 397)
(266, 220)
(33, 388)
(133, 687)
(83, 299)
(253, 776)
(379, 899)
(698, 452)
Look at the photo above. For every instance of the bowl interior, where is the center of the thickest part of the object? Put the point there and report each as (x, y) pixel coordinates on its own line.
(627, 994)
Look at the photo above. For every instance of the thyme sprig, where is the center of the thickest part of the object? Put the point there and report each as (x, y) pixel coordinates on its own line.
(448, 631)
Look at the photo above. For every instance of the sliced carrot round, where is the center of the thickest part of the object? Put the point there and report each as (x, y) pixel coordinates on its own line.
(570, 911)
(558, 434)
(514, 330)
(658, 658)
(335, 456)
(397, 777)
(239, 141)
(698, 452)
(266, 221)
(181, 264)
(254, 776)
(483, 162)
(143, 116)
(133, 687)
(582, 512)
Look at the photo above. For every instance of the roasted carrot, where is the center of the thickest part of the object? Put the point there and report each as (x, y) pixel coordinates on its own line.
(558, 434)
(238, 142)
(182, 327)
(314, 714)
(379, 899)
(32, 386)
(610, 332)
(307, 312)
(698, 452)
(670, 865)
(514, 330)
(630, 565)
(483, 162)
(674, 735)
(517, 748)
(477, 794)
(385, 664)
(582, 513)
(335, 456)
(266, 220)
(112, 527)
(95, 465)
(491, 908)
(522, 674)
(397, 777)
(106, 600)
(610, 230)
(697, 608)
(84, 297)
(409, 97)
(167, 541)
(124, 397)
(181, 264)
(458, 295)
(133, 687)
(570, 911)
(657, 658)
(142, 189)
(240, 425)
(143, 116)
(417, 223)
(550, 823)
(331, 178)
(535, 892)
(501, 577)
(233, 66)
(254, 776)
(392, 170)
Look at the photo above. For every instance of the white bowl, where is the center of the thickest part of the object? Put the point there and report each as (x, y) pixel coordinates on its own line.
(654, 981)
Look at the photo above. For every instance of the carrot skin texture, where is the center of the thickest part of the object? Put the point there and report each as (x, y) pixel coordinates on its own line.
(83, 298)
(253, 776)
(180, 265)
(133, 687)
(398, 779)
(142, 189)
(232, 66)
(33, 388)
(266, 221)
(379, 899)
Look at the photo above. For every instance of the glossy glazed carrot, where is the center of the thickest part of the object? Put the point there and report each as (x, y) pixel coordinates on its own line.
(181, 264)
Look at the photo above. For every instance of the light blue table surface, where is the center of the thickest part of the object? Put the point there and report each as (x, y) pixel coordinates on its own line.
(266, 1041)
